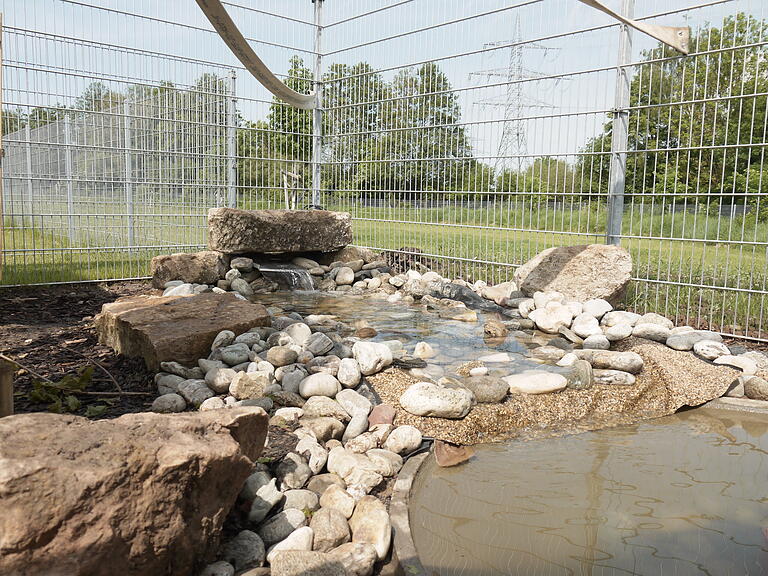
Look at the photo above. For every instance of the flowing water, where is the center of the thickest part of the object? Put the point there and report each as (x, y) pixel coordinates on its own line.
(288, 276)
(684, 494)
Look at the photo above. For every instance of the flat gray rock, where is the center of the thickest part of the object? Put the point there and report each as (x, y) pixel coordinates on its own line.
(277, 231)
(686, 340)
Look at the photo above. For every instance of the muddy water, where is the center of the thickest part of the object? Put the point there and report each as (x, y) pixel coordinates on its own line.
(684, 494)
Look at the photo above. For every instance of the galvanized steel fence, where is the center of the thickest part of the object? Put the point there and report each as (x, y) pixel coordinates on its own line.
(470, 135)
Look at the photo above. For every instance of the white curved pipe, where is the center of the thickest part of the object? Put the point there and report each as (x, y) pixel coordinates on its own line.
(677, 38)
(233, 38)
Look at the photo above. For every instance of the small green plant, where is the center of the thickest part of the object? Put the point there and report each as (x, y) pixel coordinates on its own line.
(62, 397)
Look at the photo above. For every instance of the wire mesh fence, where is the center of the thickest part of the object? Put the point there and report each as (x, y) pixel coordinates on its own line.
(121, 124)
(470, 135)
(126, 174)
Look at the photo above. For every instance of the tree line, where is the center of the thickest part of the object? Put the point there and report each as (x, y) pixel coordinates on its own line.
(691, 122)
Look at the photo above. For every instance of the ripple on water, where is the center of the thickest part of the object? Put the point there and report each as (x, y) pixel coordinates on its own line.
(679, 495)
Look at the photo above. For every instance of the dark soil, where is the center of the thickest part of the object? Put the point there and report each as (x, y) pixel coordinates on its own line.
(49, 330)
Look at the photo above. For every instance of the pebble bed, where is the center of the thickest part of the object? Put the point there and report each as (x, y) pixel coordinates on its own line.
(314, 507)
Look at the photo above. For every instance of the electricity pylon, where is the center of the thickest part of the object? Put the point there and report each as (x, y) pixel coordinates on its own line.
(513, 143)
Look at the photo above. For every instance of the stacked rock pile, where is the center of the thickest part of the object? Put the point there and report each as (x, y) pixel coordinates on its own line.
(314, 505)
(245, 279)
(594, 326)
(574, 336)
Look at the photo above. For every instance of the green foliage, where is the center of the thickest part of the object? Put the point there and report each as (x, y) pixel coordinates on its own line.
(60, 396)
(95, 410)
(289, 143)
(353, 120)
(97, 96)
(422, 145)
(399, 135)
(687, 113)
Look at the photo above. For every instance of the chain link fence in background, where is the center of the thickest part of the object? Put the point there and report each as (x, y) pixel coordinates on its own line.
(470, 135)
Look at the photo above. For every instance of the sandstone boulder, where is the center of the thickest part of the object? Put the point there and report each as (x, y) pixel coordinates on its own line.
(207, 267)
(179, 328)
(277, 231)
(447, 455)
(580, 273)
(142, 494)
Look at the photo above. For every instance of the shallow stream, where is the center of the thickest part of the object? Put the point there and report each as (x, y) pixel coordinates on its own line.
(679, 495)
(454, 341)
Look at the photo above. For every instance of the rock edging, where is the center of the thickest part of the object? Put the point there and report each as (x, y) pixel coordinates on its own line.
(403, 546)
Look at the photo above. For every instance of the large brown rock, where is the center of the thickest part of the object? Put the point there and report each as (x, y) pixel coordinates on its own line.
(142, 494)
(206, 267)
(277, 231)
(180, 328)
(579, 272)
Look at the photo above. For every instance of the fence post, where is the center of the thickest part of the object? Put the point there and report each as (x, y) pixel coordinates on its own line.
(317, 112)
(68, 176)
(232, 143)
(128, 172)
(619, 131)
(6, 387)
(30, 189)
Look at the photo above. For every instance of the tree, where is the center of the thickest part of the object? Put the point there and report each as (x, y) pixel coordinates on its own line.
(41, 116)
(289, 141)
(548, 179)
(423, 146)
(254, 169)
(691, 118)
(352, 121)
(13, 120)
(97, 96)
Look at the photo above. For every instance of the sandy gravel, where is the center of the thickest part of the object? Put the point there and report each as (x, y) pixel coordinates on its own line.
(670, 380)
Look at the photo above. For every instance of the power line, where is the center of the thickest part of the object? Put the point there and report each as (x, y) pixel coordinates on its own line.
(513, 143)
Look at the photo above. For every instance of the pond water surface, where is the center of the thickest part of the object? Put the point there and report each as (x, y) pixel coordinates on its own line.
(454, 341)
(684, 494)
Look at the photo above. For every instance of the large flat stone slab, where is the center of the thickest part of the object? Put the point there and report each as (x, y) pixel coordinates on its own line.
(180, 328)
(277, 231)
(141, 494)
(581, 273)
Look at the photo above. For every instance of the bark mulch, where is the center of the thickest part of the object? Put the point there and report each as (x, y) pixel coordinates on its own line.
(49, 330)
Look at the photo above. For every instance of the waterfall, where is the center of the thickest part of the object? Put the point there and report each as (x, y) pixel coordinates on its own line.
(287, 275)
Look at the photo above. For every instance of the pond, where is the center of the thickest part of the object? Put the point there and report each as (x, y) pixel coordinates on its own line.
(679, 495)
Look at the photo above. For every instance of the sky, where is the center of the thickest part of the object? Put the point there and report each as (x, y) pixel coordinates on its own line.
(54, 48)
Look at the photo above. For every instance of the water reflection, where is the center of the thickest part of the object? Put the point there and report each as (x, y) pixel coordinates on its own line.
(680, 495)
(455, 342)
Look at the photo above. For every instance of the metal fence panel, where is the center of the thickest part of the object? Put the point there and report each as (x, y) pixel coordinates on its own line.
(476, 136)
(120, 126)
(468, 134)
